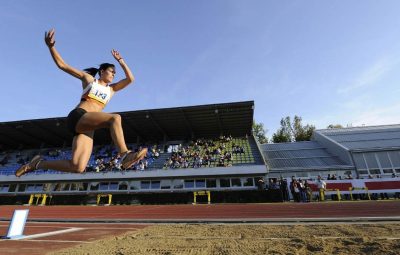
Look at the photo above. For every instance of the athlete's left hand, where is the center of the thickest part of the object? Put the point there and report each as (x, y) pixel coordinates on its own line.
(116, 55)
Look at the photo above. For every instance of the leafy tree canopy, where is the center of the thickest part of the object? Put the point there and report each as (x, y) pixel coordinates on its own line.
(293, 131)
(259, 132)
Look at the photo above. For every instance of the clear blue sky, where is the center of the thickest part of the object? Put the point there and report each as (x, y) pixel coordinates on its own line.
(330, 62)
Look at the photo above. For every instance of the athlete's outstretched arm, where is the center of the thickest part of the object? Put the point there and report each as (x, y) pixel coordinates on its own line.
(50, 42)
(129, 76)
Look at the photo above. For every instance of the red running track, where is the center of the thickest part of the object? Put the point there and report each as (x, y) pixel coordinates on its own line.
(223, 212)
(79, 233)
(46, 240)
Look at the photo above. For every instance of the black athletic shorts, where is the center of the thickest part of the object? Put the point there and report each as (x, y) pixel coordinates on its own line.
(73, 117)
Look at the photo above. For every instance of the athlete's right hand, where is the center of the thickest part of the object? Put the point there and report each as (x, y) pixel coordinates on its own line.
(49, 38)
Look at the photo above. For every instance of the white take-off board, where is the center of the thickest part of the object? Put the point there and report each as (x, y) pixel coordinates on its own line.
(17, 224)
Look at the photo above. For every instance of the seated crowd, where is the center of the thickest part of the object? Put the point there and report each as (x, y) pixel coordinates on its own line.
(204, 153)
(220, 152)
(107, 159)
(103, 158)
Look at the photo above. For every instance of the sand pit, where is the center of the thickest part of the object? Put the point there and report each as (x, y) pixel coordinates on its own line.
(240, 239)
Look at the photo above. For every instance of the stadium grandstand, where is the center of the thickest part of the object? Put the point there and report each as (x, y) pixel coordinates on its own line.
(356, 151)
(207, 148)
(364, 161)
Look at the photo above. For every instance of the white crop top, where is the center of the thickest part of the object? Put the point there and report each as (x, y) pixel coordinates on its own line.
(99, 93)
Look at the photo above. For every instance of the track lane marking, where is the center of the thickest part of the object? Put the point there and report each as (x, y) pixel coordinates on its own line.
(55, 241)
(52, 233)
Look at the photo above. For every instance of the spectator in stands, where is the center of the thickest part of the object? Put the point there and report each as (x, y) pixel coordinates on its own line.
(293, 187)
(166, 165)
(261, 184)
(273, 185)
(4, 161)
(321, 185)
(284, 189)
(115, 163)
(99, 166)
(88, 115)
(53, 153)
(302, 190)
(185, 163)
(221, 162)
(141, 166)
(199, 161)
(228, 158)
(176, 164)
(296, 190)
(155, 152)
(308, 191)
(206, 161)
(21, 161)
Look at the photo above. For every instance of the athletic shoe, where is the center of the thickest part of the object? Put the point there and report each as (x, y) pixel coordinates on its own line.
(31, 166)
(130, 158)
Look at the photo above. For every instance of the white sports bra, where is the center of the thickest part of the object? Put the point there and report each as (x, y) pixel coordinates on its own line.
(97, 92)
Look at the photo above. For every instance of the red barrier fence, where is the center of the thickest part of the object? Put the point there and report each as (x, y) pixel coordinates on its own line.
(375, 185)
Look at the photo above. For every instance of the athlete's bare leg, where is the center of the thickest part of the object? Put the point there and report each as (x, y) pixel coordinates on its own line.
(82, 146)
(95, 120)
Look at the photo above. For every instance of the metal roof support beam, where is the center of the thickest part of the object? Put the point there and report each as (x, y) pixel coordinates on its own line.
(11, 139)
(131, 126)
(29, 135)
(10, 142)
(219, 121)
(188, 125)
(149, 116)
(49, 131)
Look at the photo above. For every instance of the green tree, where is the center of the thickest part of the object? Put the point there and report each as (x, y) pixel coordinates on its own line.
(280, 137)
(334, 126)
(302, 133)
(259, 132)
(284, 133)
(293, 131)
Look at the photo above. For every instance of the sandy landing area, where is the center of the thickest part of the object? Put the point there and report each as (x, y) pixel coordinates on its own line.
(241, 239)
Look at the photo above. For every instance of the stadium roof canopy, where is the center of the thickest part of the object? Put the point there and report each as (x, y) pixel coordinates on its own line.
(364, 138)
(300, 155)
(154, 125)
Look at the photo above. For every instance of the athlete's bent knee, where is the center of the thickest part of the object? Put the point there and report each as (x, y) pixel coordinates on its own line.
(78, 167)
(81, 169)
(116, 118)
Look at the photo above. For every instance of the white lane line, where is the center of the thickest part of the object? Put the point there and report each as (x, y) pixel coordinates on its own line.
(55, 241)
(105, 228)
(49, 233)
(86, 227)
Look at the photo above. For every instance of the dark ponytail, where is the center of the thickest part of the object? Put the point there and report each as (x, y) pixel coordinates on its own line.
(92, 71)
